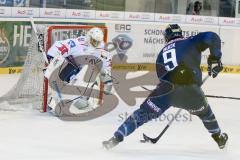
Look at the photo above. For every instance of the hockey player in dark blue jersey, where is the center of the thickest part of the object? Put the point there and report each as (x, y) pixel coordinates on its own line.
(178, 69)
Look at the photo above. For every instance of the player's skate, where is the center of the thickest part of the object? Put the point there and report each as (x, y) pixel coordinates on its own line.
(221, 139)
(110, 143)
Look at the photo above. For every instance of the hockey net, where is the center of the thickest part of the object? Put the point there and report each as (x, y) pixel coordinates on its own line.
(32, 88)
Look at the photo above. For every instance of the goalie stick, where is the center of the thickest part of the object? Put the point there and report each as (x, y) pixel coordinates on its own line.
(91, 88)
(58, 91)
(155, 140)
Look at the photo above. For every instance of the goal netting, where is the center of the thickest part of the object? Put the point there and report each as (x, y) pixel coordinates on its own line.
(32, 89)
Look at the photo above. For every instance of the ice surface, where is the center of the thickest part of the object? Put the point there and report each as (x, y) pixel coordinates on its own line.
(30, 135)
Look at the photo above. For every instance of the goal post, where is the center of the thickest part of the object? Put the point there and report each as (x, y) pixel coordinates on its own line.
(32, 87)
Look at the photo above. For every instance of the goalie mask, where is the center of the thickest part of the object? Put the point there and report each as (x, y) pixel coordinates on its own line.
(172, 31)
(95, 36)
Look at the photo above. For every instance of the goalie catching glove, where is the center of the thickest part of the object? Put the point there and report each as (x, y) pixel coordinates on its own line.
(214, 65)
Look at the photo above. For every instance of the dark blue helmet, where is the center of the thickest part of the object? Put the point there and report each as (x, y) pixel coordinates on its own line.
(172, 31)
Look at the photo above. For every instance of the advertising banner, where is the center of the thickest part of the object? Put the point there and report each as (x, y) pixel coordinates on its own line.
(52, 13)
(84, 14)
(238, 21)
(169, 18)
(141, 43)
(230, 46)
(25, 12)
(14, 41)
(5, 11)
(15, 38)
(202, 20)
(139, 16)
(227, 21)
(110, 15)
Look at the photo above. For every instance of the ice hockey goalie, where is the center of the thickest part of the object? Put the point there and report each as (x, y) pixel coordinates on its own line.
(68, 50)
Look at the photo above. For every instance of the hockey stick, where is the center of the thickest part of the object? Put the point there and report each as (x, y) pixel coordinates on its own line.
(212, 96)
(155, 140)
(91, 87)
(39, 42)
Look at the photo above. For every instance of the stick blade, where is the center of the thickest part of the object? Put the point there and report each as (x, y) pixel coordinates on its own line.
(147, 139)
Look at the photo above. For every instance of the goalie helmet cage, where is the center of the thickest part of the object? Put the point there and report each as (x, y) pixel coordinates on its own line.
(32, 87)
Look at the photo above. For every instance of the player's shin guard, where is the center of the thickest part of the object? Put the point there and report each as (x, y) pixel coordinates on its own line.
(209, 121)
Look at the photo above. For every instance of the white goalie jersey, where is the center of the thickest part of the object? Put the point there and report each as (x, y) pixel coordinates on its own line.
(80, 46)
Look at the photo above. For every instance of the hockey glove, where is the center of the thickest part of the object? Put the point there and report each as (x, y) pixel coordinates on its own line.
(214, 65)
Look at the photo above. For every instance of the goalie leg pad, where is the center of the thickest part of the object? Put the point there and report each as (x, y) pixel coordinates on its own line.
(107, 80)
(54, 64)
(108, 87)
